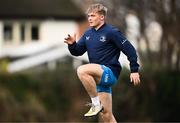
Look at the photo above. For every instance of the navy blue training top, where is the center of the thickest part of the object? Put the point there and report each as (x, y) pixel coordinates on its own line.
(104, 46)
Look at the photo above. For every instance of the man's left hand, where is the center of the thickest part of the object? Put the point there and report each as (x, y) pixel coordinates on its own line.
(135, 78)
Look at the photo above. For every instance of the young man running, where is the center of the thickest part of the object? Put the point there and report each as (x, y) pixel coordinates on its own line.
(103, 44)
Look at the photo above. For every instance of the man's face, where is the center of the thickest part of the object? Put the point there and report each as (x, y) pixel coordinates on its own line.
(95, 19)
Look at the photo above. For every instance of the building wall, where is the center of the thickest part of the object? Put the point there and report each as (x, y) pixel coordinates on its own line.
(53, 31)
(56, 31)
(50, 33)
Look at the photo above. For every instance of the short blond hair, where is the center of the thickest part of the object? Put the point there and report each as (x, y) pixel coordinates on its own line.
(99, 8)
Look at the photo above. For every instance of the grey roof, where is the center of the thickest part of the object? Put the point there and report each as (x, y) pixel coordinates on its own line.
(60, 9)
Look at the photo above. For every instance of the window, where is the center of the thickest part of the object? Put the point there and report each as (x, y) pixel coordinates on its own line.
(7, 32)
(35, 32)
(22, 33)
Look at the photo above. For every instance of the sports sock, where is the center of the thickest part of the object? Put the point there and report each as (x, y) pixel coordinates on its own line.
(95, 101)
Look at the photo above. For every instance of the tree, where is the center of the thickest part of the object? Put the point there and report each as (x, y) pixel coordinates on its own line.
(165, 12)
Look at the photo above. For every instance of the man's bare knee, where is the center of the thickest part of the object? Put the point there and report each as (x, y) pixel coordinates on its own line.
(80, 71)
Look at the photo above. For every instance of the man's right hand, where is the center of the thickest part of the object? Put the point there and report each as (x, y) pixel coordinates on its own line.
(70, 39)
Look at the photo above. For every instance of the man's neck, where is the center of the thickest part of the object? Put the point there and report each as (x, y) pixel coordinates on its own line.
(96, 28)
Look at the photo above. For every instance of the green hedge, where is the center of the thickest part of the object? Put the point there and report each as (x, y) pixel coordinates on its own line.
(59, 96)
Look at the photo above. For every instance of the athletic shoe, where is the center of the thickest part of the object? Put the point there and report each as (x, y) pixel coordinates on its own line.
(94, 110)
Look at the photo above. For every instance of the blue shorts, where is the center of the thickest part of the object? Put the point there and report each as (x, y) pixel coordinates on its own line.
(107, 80)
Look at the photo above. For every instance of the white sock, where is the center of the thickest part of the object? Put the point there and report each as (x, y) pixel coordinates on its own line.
(95, 101)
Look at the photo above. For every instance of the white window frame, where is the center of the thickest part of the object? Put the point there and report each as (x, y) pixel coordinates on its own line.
(17, 32)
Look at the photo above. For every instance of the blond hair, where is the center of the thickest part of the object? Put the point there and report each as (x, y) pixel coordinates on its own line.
(99, 8)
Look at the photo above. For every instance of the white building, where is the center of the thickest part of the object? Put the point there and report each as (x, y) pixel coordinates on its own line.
(33, 31)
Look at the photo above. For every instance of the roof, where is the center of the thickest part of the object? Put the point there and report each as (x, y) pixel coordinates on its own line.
(59, 9)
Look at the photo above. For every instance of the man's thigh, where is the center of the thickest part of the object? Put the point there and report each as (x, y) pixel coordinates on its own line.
(106, 100)
(94, 70)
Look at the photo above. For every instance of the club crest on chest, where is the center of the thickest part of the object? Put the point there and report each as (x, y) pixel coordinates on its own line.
(102, 38)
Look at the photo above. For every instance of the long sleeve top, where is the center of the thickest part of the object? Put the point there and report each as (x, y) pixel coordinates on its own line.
(103, 47)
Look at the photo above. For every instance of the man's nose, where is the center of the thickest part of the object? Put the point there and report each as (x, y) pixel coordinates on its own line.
(89, 18)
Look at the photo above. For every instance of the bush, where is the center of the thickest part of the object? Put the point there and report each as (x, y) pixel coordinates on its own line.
(59, 96)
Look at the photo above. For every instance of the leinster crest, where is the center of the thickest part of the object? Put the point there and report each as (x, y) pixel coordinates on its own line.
(103, 38)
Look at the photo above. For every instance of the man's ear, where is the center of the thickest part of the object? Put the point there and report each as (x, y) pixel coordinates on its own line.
(102, 17)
